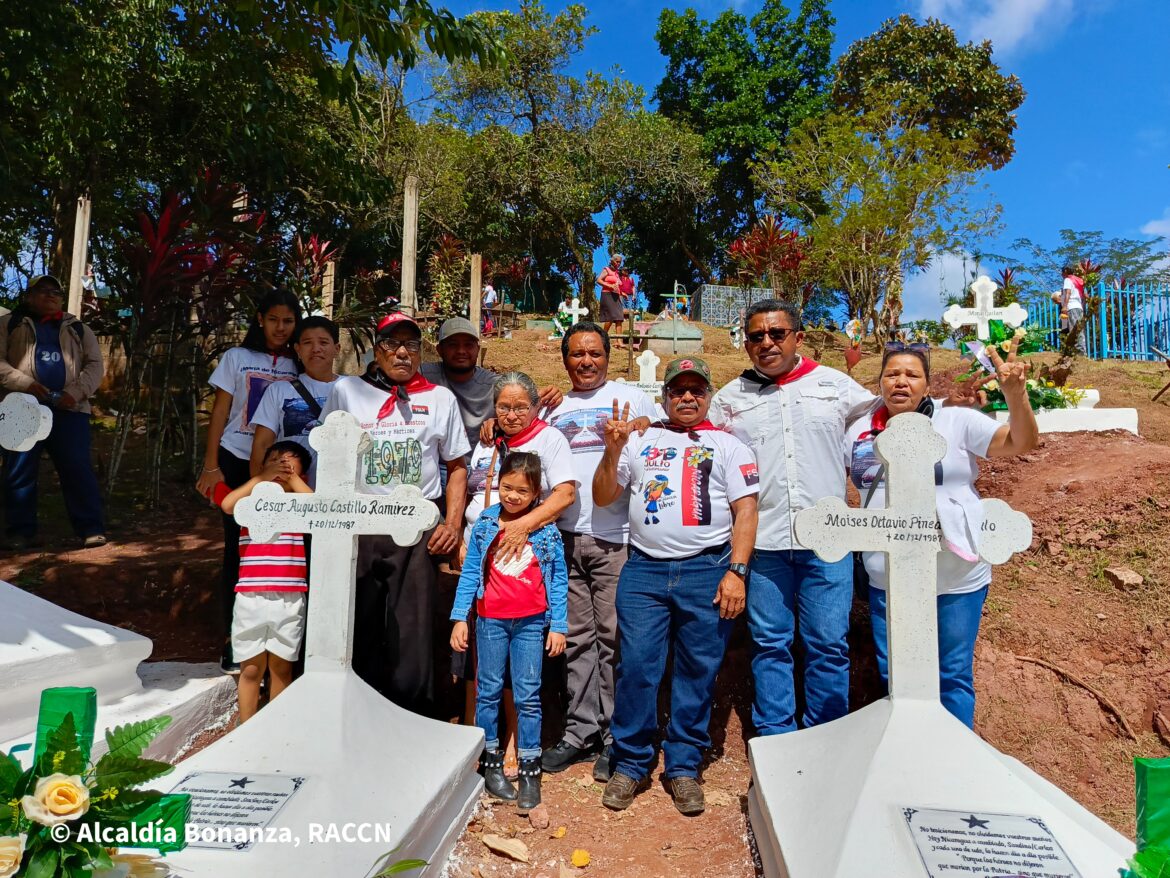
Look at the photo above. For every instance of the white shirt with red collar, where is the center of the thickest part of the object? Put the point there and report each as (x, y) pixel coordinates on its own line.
(682, 485)
(411, 432)
(796, 427)
(556, 464)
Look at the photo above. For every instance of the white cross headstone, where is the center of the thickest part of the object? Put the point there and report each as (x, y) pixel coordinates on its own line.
(315, 752)
(568, 316)
(901, 787)
(23, 422)
(984, 311)
(647, 381)
(335, 514)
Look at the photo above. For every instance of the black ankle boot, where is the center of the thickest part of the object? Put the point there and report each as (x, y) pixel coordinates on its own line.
(491, 766)
(529, 784)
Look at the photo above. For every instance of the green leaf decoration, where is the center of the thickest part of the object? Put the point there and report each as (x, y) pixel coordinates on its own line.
(400, 867)
(43, 863)
(132, 739)
(120, 771)
(126, 806)
(10, 772)
(62, 753)
(1152, 862)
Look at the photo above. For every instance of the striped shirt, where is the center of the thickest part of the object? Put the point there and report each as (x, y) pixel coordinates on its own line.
(278, 566)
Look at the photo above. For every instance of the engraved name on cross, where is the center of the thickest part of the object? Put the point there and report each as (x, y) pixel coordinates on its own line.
(984, 311)
(647, 381)
(23, 422)
(335, 514)
(908, 531)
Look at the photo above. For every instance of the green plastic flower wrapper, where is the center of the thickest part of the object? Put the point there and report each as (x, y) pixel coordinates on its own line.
(1153, 820)
(55, 703)
(173, 811)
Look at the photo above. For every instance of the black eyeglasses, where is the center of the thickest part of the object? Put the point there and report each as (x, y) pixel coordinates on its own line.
(777, 335)
(390, 345)
(919, 347)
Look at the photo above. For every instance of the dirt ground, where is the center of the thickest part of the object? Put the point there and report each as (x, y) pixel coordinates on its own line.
(1097, 501)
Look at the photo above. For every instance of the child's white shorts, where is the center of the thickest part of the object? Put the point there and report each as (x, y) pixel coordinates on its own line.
(268, 621)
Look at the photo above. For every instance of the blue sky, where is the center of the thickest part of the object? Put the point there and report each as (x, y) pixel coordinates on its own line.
(1093, 142)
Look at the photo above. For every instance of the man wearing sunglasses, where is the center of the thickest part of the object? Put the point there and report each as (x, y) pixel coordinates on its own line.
(56, 358)
(415, 428)
(793, 413)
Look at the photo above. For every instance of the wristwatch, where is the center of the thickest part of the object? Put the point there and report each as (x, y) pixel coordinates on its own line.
(739, 569)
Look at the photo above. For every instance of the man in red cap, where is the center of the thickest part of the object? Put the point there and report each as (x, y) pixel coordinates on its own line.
(416, 429)
(56, 358)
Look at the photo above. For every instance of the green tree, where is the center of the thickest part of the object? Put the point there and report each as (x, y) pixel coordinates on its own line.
(876, 200)
(935, 83)
(743, 85)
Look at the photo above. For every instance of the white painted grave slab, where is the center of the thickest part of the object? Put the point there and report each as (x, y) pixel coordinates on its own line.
(647, 382)
(364, 761)
(23, 422)
(984, 311)
(828, 802)
(568, 316)
(1082, 419)
(227, 809)
(961, 843)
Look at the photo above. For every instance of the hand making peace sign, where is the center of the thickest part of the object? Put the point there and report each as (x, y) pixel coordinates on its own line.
(1011, 373)
(617, 429)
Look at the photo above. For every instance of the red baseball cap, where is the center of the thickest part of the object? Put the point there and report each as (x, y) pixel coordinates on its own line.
(393, 320)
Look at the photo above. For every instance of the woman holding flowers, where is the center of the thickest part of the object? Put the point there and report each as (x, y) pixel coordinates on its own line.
(963, 579)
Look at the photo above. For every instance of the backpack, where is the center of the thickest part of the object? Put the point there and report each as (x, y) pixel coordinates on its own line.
(16, 316)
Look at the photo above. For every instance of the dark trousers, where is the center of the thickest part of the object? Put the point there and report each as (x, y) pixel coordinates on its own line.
(69, 448)
(393, 648)
(235, 472)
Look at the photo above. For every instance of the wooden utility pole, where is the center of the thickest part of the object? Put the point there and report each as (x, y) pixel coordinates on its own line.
(409, 245)
(476, 301)
(80, 254)
(327, 283)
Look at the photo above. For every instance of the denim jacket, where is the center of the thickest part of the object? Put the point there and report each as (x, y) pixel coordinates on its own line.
(550, 556)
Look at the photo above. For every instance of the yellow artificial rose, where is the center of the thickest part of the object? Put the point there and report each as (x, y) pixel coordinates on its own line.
(57, 798)
(11, 852)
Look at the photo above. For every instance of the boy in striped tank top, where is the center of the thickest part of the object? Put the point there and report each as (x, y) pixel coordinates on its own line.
(268, 621)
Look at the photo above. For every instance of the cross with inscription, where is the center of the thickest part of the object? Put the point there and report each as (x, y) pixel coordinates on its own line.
(335, 514)
(984, 311)
(23, 422)
(908, 531)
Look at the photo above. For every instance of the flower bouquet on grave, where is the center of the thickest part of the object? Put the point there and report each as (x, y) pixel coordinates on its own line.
(66, 816)
(1041, 394)
(1152, 859)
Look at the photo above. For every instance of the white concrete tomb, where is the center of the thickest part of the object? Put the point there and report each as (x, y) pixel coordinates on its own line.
(331, 752)
(848, 799)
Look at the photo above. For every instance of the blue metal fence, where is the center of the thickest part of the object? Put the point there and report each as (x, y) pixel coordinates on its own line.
(1120, 324)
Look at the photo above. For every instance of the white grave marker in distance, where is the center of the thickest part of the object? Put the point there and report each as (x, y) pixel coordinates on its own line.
(574, 312)
(828, 801)
(23, 422)
(984, 311)
(647, 381)
(410, 781)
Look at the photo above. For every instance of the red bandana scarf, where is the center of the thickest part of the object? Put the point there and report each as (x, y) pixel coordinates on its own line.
(395, 392)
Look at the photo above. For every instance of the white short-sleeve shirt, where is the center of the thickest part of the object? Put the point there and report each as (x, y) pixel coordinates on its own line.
(246, 375)
(581, 419)
(410, 441)
(286, 413)
(796, 429)
(682, 486)
(968, 434)
(556, 467)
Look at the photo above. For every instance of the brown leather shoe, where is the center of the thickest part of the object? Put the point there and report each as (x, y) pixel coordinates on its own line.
(687, 795)
(620, 791)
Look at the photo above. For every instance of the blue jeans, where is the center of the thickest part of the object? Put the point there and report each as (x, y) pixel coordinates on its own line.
(68, 445)
(522, 641)
(788, 586)
(958, 626)
(662, 603)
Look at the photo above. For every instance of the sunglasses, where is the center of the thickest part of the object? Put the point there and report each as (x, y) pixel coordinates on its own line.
(680, 392)
(776, 335)
(919, 347)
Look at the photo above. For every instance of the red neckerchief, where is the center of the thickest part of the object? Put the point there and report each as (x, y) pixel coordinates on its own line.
(283, 352)
(394, 392)
(53, 318)
(678, 428)
(802, 368)
(877, 422)
(506, 443)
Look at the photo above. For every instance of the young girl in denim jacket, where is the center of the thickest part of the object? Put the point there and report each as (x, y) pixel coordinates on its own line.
(515, 602)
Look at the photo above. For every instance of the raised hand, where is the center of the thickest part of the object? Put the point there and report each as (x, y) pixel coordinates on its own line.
(1011, 373)
(617, 429)
(970, 393)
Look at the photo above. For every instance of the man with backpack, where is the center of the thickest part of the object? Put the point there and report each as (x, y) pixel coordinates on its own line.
(55, 357)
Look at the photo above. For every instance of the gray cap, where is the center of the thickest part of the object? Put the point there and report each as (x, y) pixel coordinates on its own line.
(457, 326)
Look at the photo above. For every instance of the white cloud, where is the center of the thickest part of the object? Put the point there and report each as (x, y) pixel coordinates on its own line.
(1007, 23)
(1158, 226)
(923, 292)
